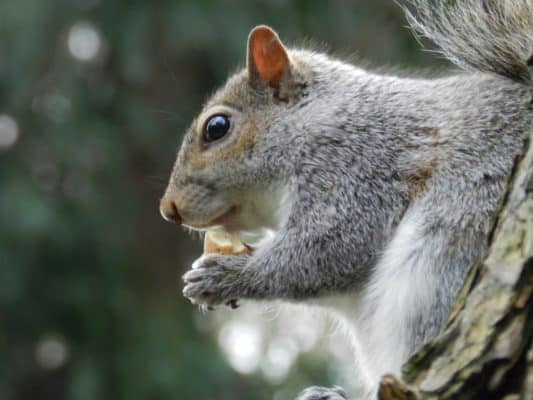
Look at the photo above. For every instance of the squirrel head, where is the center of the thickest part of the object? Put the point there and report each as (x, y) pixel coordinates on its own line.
(230, 164)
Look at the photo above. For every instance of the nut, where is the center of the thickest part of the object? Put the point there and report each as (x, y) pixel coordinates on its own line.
(224, 243)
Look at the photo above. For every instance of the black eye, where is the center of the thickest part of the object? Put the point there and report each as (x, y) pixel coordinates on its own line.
(216, 127)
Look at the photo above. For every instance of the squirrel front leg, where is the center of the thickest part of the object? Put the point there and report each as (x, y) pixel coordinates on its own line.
(303, 261)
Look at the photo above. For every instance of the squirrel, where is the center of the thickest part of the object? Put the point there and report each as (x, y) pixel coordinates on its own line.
(368, 195)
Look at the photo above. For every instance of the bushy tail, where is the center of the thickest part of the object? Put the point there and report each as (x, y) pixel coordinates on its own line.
(485, 35)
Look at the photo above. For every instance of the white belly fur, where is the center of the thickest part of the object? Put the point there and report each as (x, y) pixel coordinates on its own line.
(376, 319)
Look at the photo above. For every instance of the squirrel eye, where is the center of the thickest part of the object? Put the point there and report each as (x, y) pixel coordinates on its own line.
(216, 127)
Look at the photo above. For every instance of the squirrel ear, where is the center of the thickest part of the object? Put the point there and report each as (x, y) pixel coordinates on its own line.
(267, 58)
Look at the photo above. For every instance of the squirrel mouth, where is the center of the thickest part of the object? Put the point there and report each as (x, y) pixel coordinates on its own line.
(223, 219)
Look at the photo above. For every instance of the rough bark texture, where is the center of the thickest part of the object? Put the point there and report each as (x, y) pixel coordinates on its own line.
(486, 349)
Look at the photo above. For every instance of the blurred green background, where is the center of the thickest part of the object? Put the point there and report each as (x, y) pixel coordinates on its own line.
(94, 98)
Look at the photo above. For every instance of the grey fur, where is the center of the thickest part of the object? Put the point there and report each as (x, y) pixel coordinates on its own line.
(321, 393)
(481, 35)
(361, 153)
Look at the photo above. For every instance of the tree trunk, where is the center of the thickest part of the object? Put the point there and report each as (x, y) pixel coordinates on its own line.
(486, 349)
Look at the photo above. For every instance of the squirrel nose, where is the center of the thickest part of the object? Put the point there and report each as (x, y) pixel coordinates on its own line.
(169, 211)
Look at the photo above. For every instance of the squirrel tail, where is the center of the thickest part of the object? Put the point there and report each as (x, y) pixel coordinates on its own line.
(484, 35)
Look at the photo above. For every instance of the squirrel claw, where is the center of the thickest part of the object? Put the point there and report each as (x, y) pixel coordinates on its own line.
(233, 304)
(214, 279)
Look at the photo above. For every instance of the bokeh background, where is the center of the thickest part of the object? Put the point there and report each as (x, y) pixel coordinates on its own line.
(94, 98)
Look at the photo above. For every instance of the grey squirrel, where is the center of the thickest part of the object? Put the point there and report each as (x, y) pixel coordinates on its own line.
(368, 195)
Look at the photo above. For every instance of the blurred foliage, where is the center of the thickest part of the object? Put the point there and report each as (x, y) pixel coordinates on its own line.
(85, 260)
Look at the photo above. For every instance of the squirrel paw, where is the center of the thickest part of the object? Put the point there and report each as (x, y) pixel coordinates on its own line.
(214, 280)
(322, 393)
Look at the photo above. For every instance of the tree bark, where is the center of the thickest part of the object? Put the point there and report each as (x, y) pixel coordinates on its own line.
(486, 350)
